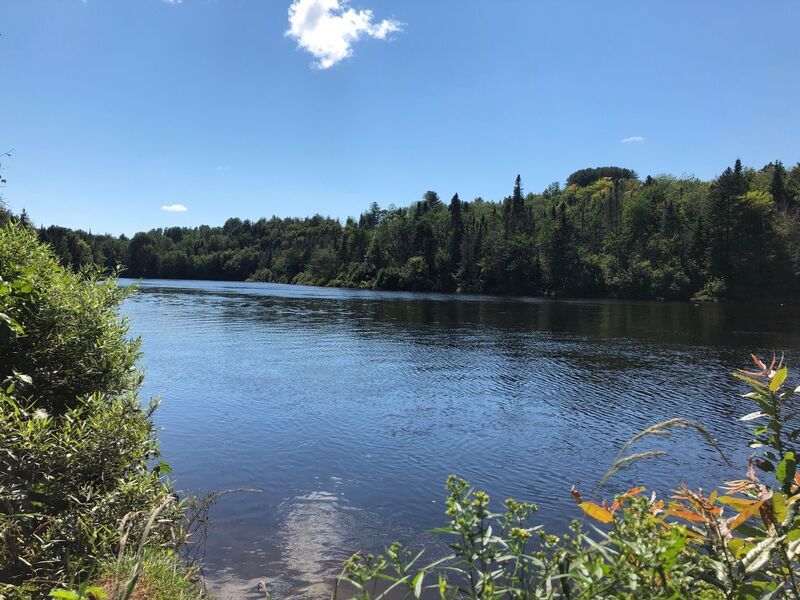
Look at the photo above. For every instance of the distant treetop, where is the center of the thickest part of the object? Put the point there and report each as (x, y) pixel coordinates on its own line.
(584, 177)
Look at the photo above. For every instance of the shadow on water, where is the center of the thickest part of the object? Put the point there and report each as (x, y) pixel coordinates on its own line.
(350, 408)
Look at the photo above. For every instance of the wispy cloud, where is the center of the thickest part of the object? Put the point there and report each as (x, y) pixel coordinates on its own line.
(172, 1)
(174, 208)
(632, 139)
(327, 29)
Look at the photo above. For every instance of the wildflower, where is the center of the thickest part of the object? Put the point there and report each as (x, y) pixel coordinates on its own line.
(520, 534)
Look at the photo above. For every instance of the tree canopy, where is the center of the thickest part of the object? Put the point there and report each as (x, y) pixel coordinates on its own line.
(606, 233)
(584, 177)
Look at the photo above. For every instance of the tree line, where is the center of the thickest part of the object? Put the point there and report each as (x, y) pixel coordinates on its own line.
(605, 232)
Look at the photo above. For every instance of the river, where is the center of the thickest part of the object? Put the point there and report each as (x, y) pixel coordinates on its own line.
(348, 409)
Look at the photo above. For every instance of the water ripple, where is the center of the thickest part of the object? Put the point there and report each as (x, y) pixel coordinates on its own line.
(350, 408)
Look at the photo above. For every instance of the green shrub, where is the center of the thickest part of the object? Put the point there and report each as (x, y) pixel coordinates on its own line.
(262, 274)
(66, 483)
(74, 343)
(75, 442)
(712, 291)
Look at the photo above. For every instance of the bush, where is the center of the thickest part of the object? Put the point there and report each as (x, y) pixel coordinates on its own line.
(263, 274)
(74, 343)
(66, 483)
(712, 291)
(76, 442)
(390, 278)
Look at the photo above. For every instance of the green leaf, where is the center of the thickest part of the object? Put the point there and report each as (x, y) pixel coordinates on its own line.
(779, 506)
(12, 324)
(751, 531)
(65, 594)
(418, 583)
(673, 546)
(754, 382)
(162, 467)
(760, 554)
(778, 379)
(786, 469)
(739, 546)
(442, 586)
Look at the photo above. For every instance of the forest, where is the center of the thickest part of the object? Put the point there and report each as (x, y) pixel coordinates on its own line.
(87, 511)
(604, 233)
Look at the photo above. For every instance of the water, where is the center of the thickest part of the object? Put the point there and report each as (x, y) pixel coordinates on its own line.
(348, 409)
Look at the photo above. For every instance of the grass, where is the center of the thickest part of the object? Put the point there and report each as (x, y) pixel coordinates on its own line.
(163, 576)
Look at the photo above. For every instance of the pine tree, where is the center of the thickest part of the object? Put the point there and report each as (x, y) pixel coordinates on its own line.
(517, 204)
(777, 186)
(431, 199)
(722, 201)
(457, 232)
(740, 182)
(25, 220)
(514, 209)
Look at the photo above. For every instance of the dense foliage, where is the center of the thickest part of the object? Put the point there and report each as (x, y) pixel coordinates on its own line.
(741, 542)
(605, 234)
(75, 441)
(74, 343)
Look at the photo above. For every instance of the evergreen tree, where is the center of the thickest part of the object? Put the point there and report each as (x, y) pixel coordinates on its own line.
(514, 209)
(777, 187)
(517, 200)
(728, 187)
(25, 220)
(456, 232)
(431, 199)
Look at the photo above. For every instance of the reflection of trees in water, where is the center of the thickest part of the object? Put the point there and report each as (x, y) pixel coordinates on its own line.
(666, 322)
(672, 357)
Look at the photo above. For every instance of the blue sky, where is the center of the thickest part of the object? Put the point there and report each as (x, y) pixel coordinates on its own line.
(117, 108)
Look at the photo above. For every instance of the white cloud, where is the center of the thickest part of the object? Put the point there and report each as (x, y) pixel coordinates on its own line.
(172, 1)
(174, 208)
(633, 138)
(328, 28)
